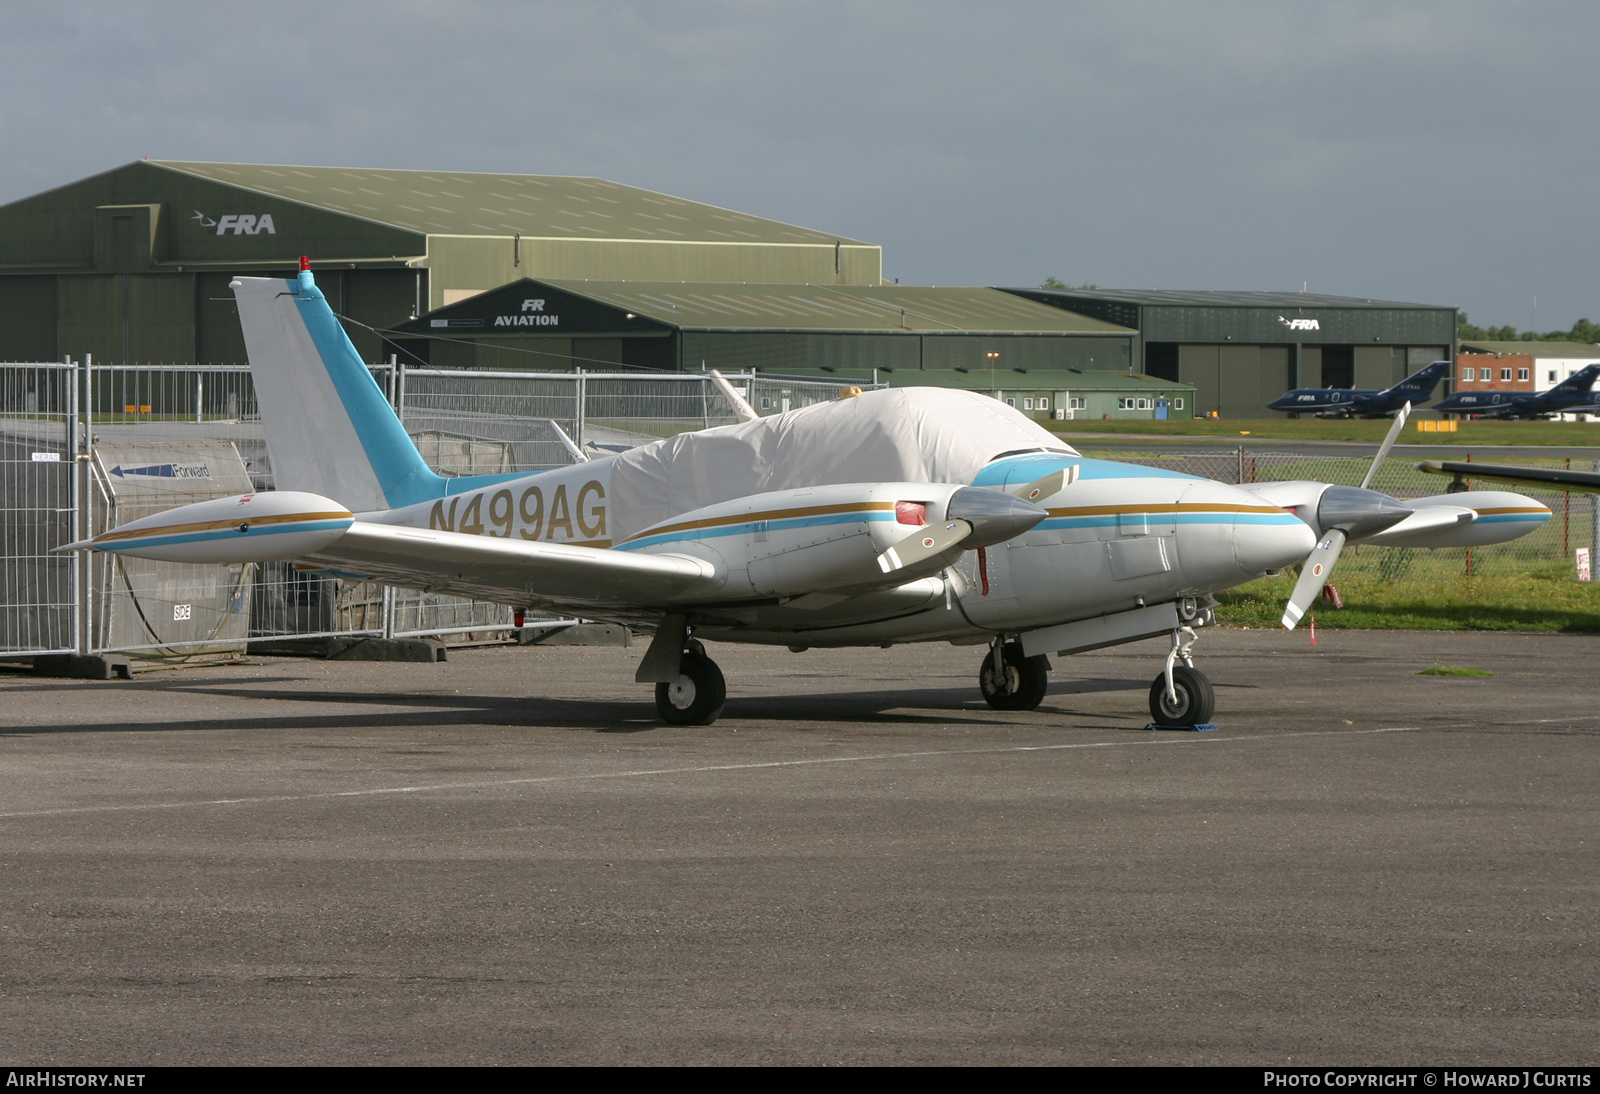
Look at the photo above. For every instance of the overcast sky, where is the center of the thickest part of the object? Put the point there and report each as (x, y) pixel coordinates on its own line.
(1436, 152)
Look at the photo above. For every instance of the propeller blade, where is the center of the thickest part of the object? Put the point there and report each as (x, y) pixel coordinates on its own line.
(1388, 443)
(1314, 575)
(742, 409)
(1048, 486)
(924, 545)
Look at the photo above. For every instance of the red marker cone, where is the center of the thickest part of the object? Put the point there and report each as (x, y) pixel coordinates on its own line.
(1313, 630)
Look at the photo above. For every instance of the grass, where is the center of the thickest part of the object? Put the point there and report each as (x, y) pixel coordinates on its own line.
(1454, 670)
(1497, 602)
(1317, 429)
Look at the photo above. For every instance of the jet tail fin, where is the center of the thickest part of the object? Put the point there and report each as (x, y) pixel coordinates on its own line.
(1420, 384)
(329, 428)
(1578, 383)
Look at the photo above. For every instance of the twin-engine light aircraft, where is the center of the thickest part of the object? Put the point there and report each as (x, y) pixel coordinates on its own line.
(1346, 402)
(1570, 396)
(907, 515)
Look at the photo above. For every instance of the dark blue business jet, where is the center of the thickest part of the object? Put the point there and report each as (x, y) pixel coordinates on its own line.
(1570, 396)
(1349, 402)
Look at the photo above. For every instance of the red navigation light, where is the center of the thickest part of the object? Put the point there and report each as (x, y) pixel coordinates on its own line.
(305, 262)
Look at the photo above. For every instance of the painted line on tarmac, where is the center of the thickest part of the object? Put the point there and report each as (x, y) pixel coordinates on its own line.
(331, 795)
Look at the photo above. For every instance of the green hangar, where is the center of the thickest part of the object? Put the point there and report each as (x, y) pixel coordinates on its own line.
(1240, 350)
(133, 265)
(1054, 363)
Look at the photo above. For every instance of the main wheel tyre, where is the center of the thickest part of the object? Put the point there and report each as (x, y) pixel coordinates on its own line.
(1022, 684)
(695, 698)
(1195, 704)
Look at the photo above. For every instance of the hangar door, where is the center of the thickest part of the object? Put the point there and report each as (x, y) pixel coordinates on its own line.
(1235, 381)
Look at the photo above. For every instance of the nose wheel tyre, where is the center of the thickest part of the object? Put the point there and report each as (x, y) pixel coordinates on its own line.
(1022, 683)
(695, 698)
(1195, 704)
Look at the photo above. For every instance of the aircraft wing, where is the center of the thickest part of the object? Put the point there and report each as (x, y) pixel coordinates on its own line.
(513, 571)
(1577, 482)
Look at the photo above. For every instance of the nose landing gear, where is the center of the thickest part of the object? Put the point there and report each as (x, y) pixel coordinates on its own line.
(1181, 697)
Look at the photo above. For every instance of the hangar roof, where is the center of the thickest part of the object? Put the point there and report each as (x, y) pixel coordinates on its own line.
(1534, 349)
(1208, 298)
(474, 203)
(924, 308)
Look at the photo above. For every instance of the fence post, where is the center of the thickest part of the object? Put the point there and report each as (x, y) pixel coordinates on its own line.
(581, 416)
(83, 503)
(1566, 517)
(1594, 521)
(1239, 475)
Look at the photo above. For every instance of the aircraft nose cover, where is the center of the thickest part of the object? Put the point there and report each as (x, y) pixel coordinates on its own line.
(995, 516)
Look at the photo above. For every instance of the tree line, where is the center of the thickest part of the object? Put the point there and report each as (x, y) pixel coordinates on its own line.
(1582, 331)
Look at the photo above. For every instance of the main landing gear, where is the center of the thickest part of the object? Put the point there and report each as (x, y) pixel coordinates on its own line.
(1011, 681)
(1181, 697)
(696, 697)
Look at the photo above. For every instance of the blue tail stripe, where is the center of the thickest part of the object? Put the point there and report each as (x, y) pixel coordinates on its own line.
(405, 478)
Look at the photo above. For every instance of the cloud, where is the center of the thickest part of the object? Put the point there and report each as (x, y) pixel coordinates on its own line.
(1428, 151)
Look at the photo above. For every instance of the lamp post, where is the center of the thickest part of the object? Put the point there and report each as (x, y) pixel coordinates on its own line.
(993, 356)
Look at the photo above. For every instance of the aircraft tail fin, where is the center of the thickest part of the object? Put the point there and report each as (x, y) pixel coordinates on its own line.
(1578, 383)
(329, 428)
(1420, 384)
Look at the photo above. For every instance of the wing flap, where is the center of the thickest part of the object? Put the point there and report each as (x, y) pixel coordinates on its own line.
(515, 571)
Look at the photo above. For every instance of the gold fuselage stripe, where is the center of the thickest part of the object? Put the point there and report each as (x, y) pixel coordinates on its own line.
(771, 514)
(1175, 507)
(218, 525)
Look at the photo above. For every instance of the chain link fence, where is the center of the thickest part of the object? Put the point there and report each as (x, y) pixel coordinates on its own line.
(83, 449)
(38, 423)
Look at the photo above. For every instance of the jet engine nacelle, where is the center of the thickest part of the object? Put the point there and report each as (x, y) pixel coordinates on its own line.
(788, 543)
(280, 524)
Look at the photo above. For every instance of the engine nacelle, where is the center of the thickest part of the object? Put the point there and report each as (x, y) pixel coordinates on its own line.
(1500, 516)
(1474, 518)
(792, 542)
(279, 524)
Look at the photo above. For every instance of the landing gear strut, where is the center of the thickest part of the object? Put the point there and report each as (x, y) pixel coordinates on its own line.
(1181, 697)
(696, 697)
(1011, 681)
